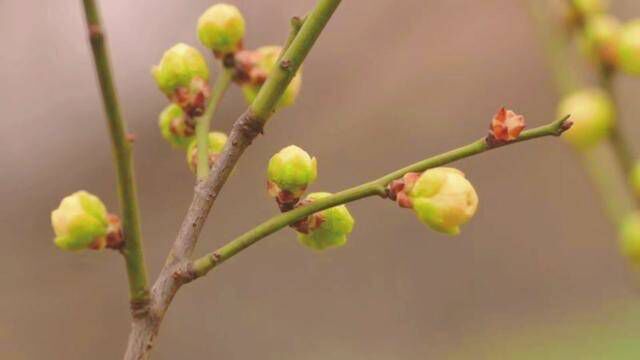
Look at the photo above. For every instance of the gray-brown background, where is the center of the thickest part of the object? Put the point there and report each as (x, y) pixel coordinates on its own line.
(389, 82)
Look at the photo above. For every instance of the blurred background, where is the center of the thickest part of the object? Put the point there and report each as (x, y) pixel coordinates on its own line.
(537, 273)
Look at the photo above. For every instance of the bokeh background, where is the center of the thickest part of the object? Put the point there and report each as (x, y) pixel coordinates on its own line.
(536, 273)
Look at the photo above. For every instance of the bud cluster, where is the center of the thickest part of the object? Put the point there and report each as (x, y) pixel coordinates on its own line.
(603, 38)
(289, 173)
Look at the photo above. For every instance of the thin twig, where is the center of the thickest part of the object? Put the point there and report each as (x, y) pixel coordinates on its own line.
(133, 253)
(206, 263)
(204, 122)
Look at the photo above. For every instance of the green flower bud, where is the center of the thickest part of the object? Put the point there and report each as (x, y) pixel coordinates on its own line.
(586, 8)
(634, 179)
(328, 228)
(291, 170)
(80, 222)
(182, 75)
(217, 140)
(221, 28)
(443, 199)
(175, 127)
(629, 48)
(599, 39)
(630, 237)
(266, 58)
(592, 113)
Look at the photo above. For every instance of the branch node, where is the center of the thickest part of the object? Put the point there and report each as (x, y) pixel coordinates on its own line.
(140, 306)
(285, 64)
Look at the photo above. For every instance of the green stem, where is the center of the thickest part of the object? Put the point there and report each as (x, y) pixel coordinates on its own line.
(377, 187)
(292, 59)
(204, 122)
(132, 251)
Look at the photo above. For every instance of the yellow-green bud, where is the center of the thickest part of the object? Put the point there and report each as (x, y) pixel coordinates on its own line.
(443, 199)
(217, 140)
(291, 170)
(267, 56)
(329, 228)
(629, 48)
(183, 75)
(630, 237)
(586, 8)
(592, 113)
(599, 38)
(634, 178)
(80, 222)
(175, 126)
(221, 28)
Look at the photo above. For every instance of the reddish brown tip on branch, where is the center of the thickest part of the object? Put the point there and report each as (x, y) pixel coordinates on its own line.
(506, 126)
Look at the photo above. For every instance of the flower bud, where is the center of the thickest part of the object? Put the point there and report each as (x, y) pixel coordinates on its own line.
(289, 173)
(328, 228)
(443, 199)
(265, 59)
(182, 75)
(80, 222)
(629, 48)
(176, 127)
(630, 237)
(599, 38)
(506, 126)
(592, 113)
(217, 140)
(221, 28)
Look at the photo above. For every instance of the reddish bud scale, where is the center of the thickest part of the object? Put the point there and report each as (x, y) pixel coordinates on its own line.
(193, 99)
(399, 188)
(506, 126)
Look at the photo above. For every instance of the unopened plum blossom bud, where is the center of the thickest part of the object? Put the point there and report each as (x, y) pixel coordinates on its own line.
(506, 126)
(176, 127)
(289, 173)
(443, 199)
(599, 38)
(217, 140)
(264, 60)
(629, 48)
(80, 222)
(221, 28)
(630, 237)
(328, 228)
(183, 75)
(592, 113)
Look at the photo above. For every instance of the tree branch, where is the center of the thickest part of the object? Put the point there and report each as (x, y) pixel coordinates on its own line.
(204, 122)
(244, 131)
(133, 253)
(203, 265)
